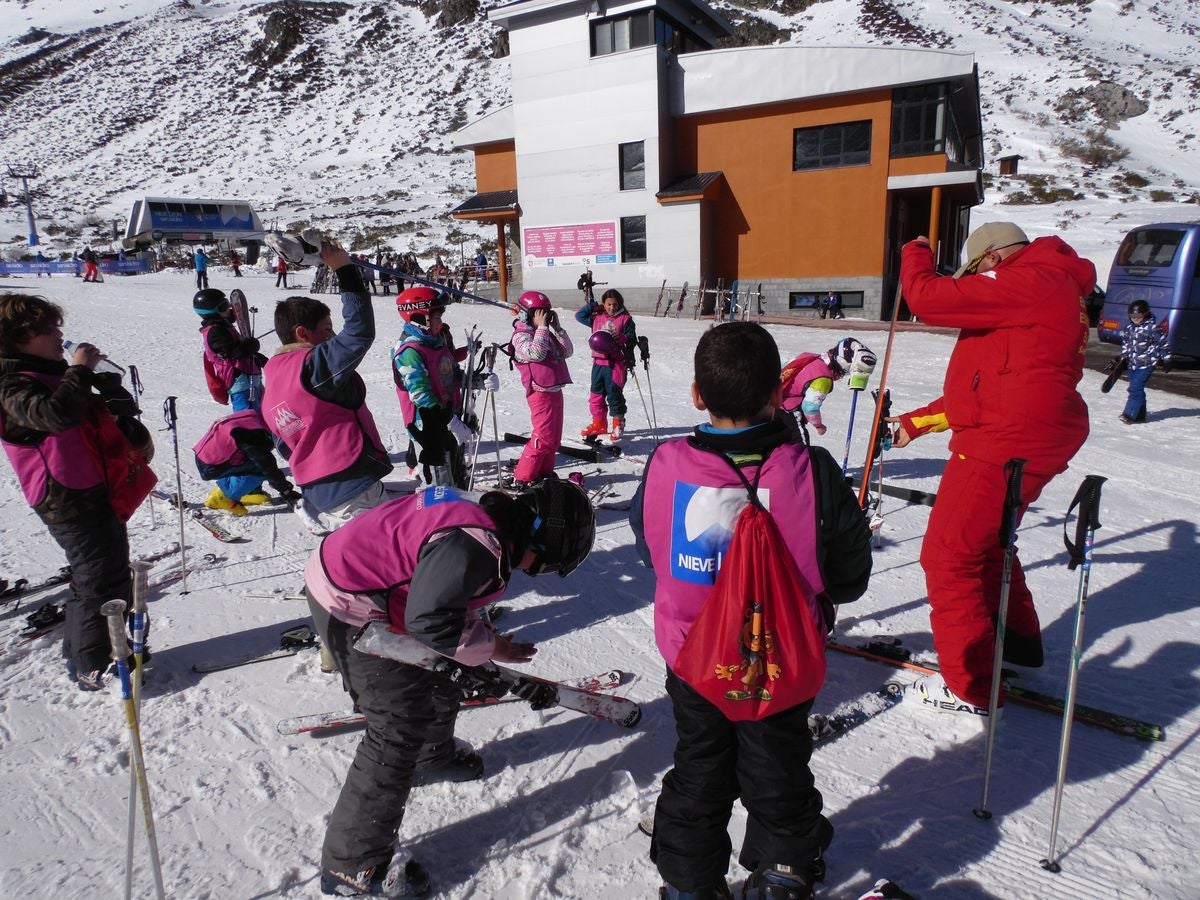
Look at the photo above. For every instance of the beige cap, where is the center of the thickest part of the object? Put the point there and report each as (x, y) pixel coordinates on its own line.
(992, 236)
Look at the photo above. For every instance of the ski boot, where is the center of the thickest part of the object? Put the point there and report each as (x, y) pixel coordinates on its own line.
(218, 500)
(777, 883)
(402, 877)
(719, 891)
(597, 428)
(257, 498)
(618, 429)
(463, 765)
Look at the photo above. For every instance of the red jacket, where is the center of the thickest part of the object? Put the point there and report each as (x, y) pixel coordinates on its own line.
(1010, 384)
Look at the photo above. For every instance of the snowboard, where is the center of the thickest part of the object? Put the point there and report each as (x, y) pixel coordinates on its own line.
(379, 640)
(1115, 369)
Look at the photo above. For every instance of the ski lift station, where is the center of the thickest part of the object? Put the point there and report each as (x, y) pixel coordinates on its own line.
(633, 148)
(233, 223)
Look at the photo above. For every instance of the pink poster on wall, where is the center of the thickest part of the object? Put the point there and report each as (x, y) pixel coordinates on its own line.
(549, 246)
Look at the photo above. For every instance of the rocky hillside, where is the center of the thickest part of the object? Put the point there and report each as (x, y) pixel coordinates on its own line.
(338, 113)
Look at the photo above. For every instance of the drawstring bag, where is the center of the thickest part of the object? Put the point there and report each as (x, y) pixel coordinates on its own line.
(756, 648)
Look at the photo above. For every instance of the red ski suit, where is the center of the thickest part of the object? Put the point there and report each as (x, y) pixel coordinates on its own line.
(1010, 391)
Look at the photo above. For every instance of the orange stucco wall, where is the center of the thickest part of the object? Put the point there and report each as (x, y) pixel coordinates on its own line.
(496, 167)
(773, 222)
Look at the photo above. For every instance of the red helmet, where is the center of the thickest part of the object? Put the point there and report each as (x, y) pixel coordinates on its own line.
(533, 300)
(419, 302)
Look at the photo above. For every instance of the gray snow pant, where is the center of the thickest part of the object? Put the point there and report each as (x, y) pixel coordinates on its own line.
(97, 550)
(410, 721)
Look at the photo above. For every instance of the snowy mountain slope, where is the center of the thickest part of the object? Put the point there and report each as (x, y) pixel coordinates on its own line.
(339, 112)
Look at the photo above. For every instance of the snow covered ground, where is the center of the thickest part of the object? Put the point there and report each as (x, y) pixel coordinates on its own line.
(241, 810)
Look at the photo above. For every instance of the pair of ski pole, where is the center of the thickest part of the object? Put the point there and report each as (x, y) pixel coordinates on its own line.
(114, 611)
(643, 344)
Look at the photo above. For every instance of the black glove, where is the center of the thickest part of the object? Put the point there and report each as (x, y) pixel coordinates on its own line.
(539, 694)
(1110, 365)
(250, 345)
(291, 498)
(260, 360)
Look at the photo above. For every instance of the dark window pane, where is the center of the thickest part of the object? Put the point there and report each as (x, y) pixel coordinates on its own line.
(601, 38)
(633, 239)
(828, 146)
(633, 166)
(641, 23)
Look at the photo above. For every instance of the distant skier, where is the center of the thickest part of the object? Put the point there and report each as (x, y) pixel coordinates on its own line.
(540, 349)
(200, 260)
(1144, 345)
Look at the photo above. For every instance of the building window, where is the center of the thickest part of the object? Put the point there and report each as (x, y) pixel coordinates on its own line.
(811, 299)
(830, 146)
(623, 33)
(633, 165)
(633, 239)
(922, 123)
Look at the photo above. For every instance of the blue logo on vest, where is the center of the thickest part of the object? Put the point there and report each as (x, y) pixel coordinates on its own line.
(702, 520)
(438, 493)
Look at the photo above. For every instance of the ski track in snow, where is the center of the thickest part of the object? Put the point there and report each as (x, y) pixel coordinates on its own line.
(241, 810)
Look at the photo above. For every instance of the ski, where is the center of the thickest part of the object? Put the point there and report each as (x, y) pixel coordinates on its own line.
(908, 495)
(585, 453)
(22, 588)
(379, 640)
(332, 721)
(898, 657)
(825, 727)
(218, 531)
(613, 450)
(292, 640)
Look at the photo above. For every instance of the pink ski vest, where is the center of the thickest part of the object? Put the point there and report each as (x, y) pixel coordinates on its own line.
(443, 377)
(373, 557)
(602, 321)
(218, 447)
(538, 375)
(63, 456)
(798, 375)
(693, 498)
(324, 438)
(226, 369)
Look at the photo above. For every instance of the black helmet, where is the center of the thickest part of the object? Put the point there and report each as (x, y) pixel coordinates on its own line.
(564, 526)
(209, 302)
(1140, 307)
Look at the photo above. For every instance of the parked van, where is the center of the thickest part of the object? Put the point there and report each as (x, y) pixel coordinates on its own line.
(1161, 265)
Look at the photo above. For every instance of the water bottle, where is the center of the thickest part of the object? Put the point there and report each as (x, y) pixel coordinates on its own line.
(105, 365)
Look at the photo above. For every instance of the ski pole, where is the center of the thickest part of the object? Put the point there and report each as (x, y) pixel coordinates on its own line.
(878, 419)
(114, 611)
(461, 294)
(173, 424)
(643, 343)
(1013, 470)
(137, 628)
(135, 385)
(645, 409)
(1087, 498)
(850, 428)
(489, 364)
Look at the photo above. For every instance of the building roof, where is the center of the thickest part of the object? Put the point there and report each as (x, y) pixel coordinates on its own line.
(487, 202)
(492, 128)
(693, 14)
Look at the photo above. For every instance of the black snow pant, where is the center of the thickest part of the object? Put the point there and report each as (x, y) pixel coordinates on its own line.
(97, 550)
(410, 722)
(765, 763)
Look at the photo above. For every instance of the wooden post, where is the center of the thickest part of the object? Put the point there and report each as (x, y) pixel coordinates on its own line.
(935, 216)
(501, 260)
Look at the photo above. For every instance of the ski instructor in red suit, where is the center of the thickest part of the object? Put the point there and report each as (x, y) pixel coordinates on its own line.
(1010, 391)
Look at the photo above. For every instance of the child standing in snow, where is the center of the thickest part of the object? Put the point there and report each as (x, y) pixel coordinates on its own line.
(540, 348)
(236, 452)
(1144, 346)
(83, 463)
(231, 361)
(315, 401)
(614, 336)
(429, 384)
(427, 563)
(808, 379)
(704, 479)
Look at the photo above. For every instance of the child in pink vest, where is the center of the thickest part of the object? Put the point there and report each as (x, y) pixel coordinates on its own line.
(540, 348)
(682, 517)
(614, 336)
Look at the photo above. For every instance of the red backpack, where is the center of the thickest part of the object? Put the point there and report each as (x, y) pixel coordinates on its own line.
(216, 387)
(755, 649)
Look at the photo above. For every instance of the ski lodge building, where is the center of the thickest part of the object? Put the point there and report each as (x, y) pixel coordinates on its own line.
(632, 148)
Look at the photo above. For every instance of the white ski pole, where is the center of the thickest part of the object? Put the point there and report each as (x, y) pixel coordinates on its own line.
(172, 424)
(137, 627)
(1088, 500)
(114, 611)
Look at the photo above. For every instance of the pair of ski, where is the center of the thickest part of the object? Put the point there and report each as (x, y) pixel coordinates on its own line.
(897, 656)
(594, 452)
(23, 588)
(208, 523)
